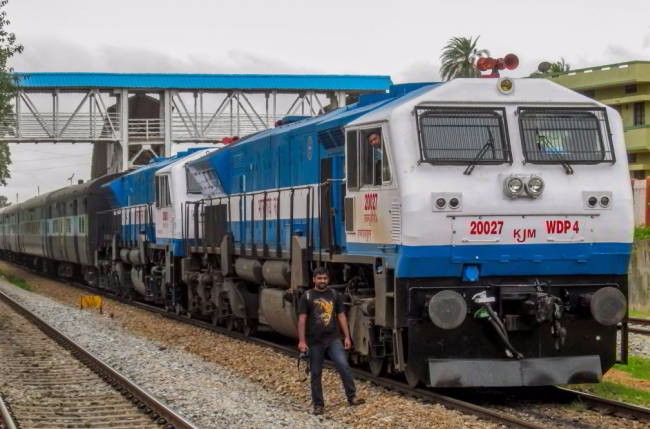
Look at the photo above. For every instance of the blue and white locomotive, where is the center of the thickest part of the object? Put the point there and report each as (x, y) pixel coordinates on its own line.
(479, 229)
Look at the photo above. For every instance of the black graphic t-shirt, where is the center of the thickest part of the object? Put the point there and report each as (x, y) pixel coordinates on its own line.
(322, 309)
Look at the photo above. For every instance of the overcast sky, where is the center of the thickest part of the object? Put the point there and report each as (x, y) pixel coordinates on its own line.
(402, 39)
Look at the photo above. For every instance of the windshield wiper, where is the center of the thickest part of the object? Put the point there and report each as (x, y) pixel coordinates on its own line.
(481, 153)
(542, 141)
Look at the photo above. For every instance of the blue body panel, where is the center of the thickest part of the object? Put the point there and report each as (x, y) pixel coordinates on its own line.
(515, 260)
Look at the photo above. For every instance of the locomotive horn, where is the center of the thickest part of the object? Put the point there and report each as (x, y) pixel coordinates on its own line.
(486, 63)
(511, 61)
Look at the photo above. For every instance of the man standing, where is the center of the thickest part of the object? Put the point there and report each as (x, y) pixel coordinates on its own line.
(321, 319)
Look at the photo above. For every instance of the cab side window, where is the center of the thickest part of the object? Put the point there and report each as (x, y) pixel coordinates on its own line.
(163, 198)
(367, 161)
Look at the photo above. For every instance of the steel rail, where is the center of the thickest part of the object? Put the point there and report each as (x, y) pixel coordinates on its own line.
(162, 413)
(641, 322)
(638, 321)
(615, 407)
(6, 419)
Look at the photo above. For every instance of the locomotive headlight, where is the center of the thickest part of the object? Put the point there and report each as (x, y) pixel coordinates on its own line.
(535, 186)
(608, 306)
(514, 186)
(447, 309)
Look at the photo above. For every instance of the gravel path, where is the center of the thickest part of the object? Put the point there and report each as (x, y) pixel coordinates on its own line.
(217, 381)
(639, 345)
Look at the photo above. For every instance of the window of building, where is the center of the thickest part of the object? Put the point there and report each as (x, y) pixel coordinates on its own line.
(639, 114)
(630, 89)
(631, 158)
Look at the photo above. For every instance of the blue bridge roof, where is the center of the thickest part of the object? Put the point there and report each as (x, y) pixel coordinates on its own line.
(205, 81)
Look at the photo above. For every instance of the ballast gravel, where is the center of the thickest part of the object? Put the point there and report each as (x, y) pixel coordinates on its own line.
(216, 381)
(208, 395)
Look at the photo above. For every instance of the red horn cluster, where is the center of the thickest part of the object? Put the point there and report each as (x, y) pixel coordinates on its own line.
(510, 62)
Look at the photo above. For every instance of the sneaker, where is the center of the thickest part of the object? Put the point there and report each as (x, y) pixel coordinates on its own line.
(356, 401)
(318, 410)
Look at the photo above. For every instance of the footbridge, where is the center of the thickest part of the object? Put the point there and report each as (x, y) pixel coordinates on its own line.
(131, 118)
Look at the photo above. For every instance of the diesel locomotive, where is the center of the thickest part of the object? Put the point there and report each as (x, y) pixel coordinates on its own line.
(479, 230)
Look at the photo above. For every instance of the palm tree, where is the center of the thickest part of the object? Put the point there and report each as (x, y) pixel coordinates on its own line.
(458, 58)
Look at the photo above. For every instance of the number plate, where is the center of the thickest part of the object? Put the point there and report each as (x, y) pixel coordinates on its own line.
(520, 229)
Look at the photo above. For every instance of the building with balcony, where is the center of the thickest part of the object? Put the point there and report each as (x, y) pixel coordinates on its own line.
(625, 87)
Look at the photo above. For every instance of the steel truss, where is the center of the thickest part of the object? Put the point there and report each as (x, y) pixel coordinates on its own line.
(124, 139)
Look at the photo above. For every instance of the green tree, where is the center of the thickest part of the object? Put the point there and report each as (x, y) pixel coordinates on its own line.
(559, 67)
(458, 58)
(8, 86)
(4, 201)
(546, 68)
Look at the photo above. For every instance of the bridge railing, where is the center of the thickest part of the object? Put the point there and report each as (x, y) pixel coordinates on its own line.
(60, 127)
(84, 127)
(146, 129)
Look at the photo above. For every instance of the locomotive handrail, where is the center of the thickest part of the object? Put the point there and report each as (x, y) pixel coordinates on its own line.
(141, 213)
(246, 202)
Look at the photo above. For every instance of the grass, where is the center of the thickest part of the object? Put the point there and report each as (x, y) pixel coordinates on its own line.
(637, 313)
(15, 280)
(642, 233)
(637, 367)
(615, 392)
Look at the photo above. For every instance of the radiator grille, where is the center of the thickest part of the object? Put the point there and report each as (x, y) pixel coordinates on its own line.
(396, 222)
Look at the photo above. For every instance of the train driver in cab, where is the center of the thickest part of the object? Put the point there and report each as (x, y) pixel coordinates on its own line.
(376, 168)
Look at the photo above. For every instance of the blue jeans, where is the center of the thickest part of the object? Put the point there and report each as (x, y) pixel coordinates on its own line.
(337, 354)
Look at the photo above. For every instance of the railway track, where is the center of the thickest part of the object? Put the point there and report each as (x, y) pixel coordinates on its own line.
(49, 381)
(638, 325)
(453, 401)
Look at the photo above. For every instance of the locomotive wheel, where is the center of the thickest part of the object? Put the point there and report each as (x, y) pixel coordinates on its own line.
(377, 366)
(412, 377)
(231, 323)
(249, 327)
(178, 309)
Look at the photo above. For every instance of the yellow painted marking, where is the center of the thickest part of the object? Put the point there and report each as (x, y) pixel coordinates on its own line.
(91, 301)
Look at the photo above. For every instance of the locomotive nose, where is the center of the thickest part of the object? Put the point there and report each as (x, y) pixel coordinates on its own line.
(608, 306)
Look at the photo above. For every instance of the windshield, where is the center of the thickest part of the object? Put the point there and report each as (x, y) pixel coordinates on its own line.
(463, 135)
(572, 136)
